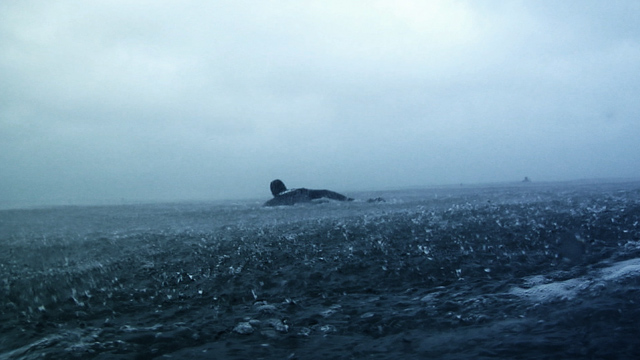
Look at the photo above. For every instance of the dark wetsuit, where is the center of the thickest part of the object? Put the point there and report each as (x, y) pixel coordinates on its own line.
(282, 196)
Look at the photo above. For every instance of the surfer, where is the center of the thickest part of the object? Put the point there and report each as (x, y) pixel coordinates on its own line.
(284, 196)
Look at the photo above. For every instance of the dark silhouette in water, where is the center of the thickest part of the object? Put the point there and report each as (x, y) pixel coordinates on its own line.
(283, 196)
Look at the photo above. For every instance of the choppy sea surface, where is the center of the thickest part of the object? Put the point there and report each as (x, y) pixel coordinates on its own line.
(520, 271)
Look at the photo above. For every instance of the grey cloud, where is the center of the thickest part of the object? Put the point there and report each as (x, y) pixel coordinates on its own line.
(198, 100)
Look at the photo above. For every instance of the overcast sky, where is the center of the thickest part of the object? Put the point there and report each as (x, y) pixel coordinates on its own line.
(132, 100)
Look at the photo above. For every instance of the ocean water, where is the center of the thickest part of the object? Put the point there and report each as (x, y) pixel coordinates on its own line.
(520, 271)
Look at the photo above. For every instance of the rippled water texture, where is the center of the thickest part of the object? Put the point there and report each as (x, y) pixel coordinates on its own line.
(524, 271)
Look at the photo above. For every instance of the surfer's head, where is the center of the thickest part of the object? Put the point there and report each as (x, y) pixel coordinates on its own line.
(277, 187)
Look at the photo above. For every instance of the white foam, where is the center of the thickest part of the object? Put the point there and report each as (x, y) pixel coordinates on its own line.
(623, 269)
(560, 290)
(569, 289)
